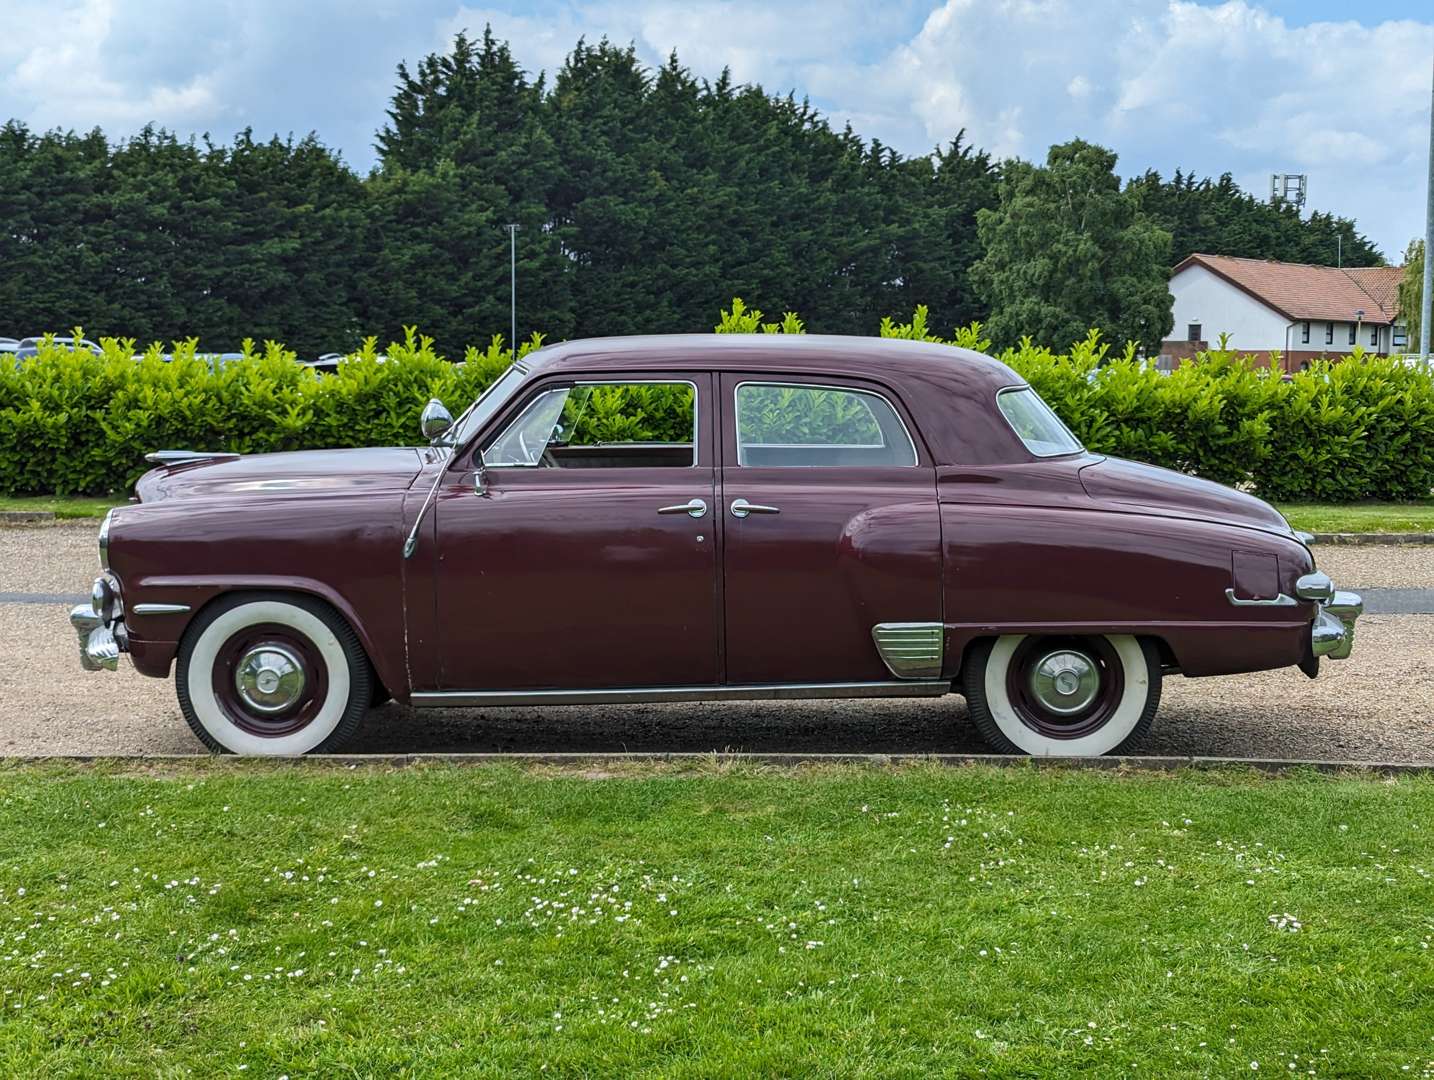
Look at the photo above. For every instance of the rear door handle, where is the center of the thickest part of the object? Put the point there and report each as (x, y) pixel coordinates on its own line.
(692, 508)
(741, 508)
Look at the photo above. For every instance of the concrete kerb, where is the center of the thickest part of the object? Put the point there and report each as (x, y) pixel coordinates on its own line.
(778, 760)
(1375, 538)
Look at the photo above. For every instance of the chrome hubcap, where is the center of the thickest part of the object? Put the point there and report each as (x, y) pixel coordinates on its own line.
(269, 678)
(1065, 682)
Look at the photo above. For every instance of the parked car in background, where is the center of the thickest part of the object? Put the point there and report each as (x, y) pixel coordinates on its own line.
(705, 517)
(30, 346)
(329, 363)
(326, 364)
(217, 361)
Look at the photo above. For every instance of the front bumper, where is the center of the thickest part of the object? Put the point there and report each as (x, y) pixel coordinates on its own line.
(100, 626)
(1332, 631)
(99, 644)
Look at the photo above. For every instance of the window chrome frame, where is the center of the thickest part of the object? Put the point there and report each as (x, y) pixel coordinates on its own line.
(461, 439)
(1026, 387)
(737, 427)
(566, 384)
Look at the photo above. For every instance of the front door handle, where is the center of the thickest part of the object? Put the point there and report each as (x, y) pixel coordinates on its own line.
(741, 508)
(692, 508)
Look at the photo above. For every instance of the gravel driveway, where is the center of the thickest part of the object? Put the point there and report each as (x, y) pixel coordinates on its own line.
(1377, 706)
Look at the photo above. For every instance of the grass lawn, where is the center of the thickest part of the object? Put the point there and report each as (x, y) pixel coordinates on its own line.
(1360, 517)
(720, 921)
(64, 506)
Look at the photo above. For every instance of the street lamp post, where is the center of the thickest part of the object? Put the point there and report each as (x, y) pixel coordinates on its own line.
(513, 287)
(1428, 297)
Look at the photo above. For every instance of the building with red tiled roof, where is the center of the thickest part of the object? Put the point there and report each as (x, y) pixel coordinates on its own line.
(1301, 312)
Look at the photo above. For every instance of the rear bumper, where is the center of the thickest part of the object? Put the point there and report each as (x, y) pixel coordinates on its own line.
(1332, 631)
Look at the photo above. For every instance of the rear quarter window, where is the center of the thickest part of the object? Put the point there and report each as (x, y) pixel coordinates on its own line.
(1035, 423)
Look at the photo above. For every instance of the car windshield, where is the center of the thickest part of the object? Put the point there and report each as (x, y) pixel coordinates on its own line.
(1036, 422)
(489, 402)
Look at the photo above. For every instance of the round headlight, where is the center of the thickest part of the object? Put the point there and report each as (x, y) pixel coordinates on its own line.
(105, 541)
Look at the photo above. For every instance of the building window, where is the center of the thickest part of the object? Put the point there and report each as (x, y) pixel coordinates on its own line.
(1353, 333)
(1329, 333)
(1192, 332)
(1399, 337)
(1305, 333)
(1374, 336)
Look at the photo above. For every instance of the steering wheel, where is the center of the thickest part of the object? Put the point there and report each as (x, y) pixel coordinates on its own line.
(528, 454)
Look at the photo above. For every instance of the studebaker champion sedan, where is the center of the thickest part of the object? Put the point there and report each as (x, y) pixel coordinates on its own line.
(705, 517)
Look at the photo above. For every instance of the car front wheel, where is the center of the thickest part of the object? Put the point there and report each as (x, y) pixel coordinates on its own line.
(272, 674)
(1058, 696)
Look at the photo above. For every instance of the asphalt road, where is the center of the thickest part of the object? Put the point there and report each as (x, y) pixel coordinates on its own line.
(1377, 706)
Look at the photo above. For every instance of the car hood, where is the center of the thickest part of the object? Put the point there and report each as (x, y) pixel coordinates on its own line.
(319, 472)
(1130, 485)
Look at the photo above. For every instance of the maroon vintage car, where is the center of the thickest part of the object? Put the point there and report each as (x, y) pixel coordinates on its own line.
(705, 517)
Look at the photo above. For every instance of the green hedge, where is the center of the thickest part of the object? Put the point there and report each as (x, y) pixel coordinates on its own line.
(73, 423)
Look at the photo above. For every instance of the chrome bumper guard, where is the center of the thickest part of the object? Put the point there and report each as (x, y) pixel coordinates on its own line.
(1332, 632)
(100, 626)
(99, 651)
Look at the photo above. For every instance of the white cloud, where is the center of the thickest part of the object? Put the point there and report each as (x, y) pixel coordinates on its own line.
(1169, 83)
(71, 79)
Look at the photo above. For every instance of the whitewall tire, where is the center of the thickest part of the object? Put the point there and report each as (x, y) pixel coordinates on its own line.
(1062, 696)
(272, 674)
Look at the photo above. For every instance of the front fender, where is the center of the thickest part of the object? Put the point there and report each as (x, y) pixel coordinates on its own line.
(345, 550)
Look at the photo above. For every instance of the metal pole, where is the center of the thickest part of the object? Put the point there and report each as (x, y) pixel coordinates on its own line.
(513, 287)
(1428, 297)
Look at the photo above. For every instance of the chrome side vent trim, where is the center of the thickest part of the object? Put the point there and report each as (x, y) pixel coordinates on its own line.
(910, 650)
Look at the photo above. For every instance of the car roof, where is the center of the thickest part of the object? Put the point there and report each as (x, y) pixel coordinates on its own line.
(816, 352)
(949, 391)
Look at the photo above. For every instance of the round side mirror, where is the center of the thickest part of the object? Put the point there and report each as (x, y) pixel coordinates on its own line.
(435, 421)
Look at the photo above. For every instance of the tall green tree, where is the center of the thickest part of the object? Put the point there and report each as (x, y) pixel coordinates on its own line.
(1066, 250)
(1218, 217)
(53, 194)
(1411, 292)
(464, 154)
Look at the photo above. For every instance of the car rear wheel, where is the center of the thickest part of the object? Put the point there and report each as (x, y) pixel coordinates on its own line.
(1061, 696)
(272, 674)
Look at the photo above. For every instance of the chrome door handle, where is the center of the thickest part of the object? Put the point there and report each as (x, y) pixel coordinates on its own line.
(741, 508)
(692, 508)
(1279, 601)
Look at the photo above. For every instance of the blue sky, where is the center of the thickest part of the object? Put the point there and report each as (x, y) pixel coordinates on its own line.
(1337, 90)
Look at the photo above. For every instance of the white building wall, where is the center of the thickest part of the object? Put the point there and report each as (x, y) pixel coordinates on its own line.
(1205, 298)
(1319, 331)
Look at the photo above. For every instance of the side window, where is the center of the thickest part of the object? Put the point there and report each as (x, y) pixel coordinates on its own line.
(791, 424)
(616, 425)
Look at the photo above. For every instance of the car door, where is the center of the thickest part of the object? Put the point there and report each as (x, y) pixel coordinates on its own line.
(832, 534)
(588, 561)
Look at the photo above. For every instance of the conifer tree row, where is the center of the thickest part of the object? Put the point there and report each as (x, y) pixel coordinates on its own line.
(645, 199)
